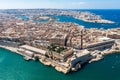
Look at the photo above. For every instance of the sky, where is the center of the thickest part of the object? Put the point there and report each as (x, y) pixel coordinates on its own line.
(60, 4)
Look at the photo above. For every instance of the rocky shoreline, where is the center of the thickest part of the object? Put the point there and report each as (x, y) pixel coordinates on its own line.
(59, 67)
(99, 21)
(44, 61)
(103, 53)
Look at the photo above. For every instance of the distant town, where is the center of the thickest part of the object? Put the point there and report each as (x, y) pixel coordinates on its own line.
(66, 46)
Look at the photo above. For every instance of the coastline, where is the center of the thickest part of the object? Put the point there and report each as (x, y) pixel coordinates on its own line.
(44, 61)
(99, 57)
(96, 21)
(12, 49)
(15, 50)
(58, 66)
(99, 21)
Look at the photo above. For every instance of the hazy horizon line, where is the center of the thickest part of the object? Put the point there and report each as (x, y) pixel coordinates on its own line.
(67, 8)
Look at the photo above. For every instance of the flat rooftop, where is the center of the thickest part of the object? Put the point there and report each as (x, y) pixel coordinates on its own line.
(59, 35)
(80, 53)
(33, 49)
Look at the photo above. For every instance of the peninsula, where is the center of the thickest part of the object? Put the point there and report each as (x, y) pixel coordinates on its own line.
(37, 14)
(64, 45)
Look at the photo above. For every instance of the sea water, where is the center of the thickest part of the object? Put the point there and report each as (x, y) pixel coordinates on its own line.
(14, 67)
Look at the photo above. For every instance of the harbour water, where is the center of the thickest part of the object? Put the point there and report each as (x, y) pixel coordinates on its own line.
(23, 17)
(14, 67)
(112, 15)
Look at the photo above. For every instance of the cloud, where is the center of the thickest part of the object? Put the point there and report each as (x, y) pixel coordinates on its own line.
(78, 3)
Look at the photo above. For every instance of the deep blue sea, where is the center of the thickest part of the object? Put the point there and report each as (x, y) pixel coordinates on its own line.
(113, 15)
(14, 67)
